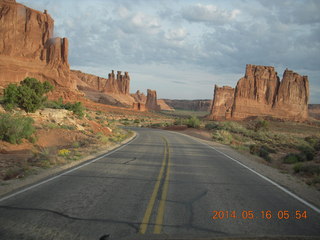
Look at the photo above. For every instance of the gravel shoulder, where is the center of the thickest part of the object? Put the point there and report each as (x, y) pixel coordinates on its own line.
(285, 180)
(14, 185)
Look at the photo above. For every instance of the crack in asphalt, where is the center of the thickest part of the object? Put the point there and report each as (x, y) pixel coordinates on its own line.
(189, 208)
(130, 160)
(133, 225)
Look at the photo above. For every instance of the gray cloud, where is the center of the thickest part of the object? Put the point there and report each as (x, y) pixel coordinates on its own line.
(210, 39)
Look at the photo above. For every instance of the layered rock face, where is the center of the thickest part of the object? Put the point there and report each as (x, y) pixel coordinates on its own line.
(164, 106)
(260, 93)
(255, 93)
(151, 103)
(28, 48)
(222, 103)
(293, 96)
(192, 105)
(113, 90)
(112, 84)
(139, 97)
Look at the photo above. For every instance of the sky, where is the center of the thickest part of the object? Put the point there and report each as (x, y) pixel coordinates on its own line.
(183, 48)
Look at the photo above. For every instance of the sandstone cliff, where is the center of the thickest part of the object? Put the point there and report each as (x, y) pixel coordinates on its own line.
(112, 90)
(139, 97)
(260, 93)
(151, 103)
(222, 103)
(192, 105)
(164, 106)
(28, 48)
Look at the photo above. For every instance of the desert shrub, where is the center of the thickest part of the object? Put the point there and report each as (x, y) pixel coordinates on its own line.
(136, 121)
(179, 122)
(261, 151)
(29, 95)
(77, 108)
(14, 128)
(307, 169)
(213, 125)
(307, 152)
(292, 158)
(222, 136)
(193, 122)
(64, 152)
(261, 125)
(297, 167)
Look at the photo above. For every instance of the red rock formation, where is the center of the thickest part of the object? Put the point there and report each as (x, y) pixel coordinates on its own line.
(293, 96)
(27, 48)
(151, 103)
(139, 97)
(255, 92)
(138, 106)
(164, 106)
(119, 85)
(222, 103)
(260, 93)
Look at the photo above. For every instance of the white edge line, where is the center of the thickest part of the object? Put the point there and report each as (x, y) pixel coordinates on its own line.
(69, 171)
(260, 175)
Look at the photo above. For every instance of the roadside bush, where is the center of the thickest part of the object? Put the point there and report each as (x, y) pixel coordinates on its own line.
(14, 128)
(262, 151)
(307, 169)
(179, 122)
(193, 122)
(291, 158)
(213, 125)
(222, 136)
(77, 108)
(261, 125)
(28, 96)
(314, 141)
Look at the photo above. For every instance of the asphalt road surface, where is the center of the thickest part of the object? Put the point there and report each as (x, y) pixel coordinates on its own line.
(162, 184)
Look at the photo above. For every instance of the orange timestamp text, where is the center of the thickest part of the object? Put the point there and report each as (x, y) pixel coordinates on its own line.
(265, 214)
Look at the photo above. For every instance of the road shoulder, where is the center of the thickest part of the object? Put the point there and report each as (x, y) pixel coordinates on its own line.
(287, 181)
(14, 185)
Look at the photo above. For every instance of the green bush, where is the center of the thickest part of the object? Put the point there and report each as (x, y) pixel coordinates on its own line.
(261, 125)
(14, 128)
(193, 122)
(307, 151)
(222, 136)
(213, 125)
(29, 96)
(292, 158)
(77, 108)
(261, 151)
(307, 169)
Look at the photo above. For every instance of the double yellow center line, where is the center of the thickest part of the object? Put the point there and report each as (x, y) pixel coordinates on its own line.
(163, 177)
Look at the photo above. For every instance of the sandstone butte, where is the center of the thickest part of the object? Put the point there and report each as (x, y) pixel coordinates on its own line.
(29, 49)
(261, 93)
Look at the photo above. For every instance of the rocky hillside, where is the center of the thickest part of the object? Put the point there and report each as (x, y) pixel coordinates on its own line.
(261, 93)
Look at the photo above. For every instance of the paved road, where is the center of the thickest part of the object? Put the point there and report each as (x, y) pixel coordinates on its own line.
(162, 183)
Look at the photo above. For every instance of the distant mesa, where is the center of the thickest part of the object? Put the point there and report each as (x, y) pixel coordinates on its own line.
(261, 93)
(191, 105)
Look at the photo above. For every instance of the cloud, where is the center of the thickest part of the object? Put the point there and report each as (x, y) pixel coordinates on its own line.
(216, 41)
(209, 14)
